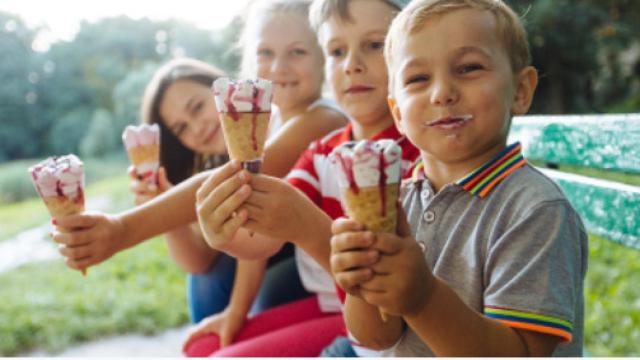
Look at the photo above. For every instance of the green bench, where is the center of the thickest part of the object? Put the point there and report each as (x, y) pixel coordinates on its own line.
(611, 143)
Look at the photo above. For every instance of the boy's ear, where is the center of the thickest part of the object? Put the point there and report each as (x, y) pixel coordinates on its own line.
(395, 112)
(525, 88)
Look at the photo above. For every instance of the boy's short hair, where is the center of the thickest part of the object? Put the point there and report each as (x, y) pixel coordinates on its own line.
(414, 16)
(322, 10)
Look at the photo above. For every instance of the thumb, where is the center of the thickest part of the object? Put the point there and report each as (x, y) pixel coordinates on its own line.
(131, 170)
(226, 337)
(163, 182)
(403, 229)
(77, 221)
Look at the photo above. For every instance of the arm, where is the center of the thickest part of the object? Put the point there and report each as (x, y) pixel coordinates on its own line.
(284, 148)
(97, 237)
(186, 245)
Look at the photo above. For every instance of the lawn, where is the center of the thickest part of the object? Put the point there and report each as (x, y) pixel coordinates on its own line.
(46, 305)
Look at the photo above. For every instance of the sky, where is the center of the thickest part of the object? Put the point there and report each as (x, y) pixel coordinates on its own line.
(63, 17)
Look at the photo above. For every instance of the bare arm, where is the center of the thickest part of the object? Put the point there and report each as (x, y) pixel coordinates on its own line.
(284, 148)
(189, 250)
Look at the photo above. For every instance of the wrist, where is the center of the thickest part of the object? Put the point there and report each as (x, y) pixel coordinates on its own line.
(433, 290)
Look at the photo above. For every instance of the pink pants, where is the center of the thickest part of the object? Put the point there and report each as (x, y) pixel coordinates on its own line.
(297, 329)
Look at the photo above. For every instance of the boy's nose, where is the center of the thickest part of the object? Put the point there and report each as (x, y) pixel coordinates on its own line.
(443, 93)
(353, 64)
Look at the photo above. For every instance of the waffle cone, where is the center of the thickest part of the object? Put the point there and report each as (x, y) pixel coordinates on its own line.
(60, 206)
(366, 207)
(245, 134)
(144, 154)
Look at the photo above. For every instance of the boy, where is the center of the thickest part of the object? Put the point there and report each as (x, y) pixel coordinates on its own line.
(497, 264)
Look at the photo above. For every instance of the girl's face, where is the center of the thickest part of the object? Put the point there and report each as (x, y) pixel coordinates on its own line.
(190, 113)
(287, 53)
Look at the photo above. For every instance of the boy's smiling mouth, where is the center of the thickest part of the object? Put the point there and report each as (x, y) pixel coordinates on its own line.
(449, 122)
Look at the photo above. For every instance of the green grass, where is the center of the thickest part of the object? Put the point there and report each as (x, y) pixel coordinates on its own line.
(50, 307)
(17, 217)
(612, 296)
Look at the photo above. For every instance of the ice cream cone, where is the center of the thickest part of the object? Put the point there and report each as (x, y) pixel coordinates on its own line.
(369, 179)
(143, 147)
(374, 207)
(245, 109)
(60, 183)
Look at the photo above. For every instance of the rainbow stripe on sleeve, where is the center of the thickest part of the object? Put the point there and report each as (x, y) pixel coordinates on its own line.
(532, 322)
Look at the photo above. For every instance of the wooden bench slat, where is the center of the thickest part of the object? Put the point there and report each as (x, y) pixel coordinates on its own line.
(610, 142)
(609, 209)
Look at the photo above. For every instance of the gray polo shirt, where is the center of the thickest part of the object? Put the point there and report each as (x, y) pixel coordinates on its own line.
(513, 249)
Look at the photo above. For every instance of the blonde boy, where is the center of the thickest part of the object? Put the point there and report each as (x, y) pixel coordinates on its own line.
(496, 263)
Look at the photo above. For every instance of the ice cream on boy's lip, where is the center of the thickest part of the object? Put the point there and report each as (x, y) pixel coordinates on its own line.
(143, 146)
(60, 183)
(245, 108)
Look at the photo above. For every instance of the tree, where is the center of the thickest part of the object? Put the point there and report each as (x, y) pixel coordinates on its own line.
(100, 137)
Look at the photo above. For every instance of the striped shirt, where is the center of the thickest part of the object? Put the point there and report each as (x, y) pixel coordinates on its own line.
(314, 175)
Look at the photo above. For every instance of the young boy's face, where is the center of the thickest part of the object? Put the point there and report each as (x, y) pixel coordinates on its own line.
(355, 65)
(454, 88)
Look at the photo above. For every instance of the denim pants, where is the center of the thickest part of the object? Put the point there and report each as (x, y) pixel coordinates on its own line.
(209, 293)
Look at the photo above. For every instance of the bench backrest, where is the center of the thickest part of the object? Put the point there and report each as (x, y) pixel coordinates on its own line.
(608, 142)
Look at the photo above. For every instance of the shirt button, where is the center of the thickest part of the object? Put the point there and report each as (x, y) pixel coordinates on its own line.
(429, 216)
(423, 247)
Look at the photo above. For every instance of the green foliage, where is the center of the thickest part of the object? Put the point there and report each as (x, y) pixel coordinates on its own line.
(67, 132)
(49, 306)
(127, 96)
(101, 136)
(612, 316)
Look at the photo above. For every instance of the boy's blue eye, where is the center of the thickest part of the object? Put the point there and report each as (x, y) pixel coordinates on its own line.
(377, 45)
(467, 68)
(197, 108)
(335, 52)
(416, 79)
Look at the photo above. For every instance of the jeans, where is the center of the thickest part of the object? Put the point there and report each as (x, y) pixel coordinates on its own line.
(208, 293)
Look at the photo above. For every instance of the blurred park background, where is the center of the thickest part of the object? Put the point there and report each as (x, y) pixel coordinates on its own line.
(76, 95)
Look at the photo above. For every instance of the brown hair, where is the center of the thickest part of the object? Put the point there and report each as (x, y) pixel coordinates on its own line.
(322, 10)
(510, 28)
(179, 161)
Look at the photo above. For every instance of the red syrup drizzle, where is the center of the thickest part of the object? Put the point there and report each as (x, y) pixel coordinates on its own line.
(347, 166)
(257, 97)
(231, 109)
(382, 181)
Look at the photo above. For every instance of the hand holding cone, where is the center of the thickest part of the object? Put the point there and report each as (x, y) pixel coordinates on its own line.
(369, 175)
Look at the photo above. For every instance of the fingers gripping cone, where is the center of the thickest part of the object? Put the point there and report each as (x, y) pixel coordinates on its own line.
(369, 178)
(143, 147)
(245, 110)
(60, 183)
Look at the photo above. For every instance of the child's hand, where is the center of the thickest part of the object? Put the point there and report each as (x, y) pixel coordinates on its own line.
(402, 281)
(352, 256)
(142, 190)
(278, 210)
(219, 201)
(90, 240)
(226, 324)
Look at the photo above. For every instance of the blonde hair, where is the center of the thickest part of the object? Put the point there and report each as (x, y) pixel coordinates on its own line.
(322, 10)
(412, 19)
(258, 9)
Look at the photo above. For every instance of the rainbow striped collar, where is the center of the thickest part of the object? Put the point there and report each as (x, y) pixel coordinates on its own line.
(482, 180)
